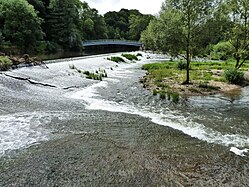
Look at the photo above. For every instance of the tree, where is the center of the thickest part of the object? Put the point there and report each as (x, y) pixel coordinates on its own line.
(1, 37)
(92, 25)
(21, 25)
(149, 36)
(238, 12)
(118, 23)
(100, 29)
(63, 20)
(138, 23)
(179, 26)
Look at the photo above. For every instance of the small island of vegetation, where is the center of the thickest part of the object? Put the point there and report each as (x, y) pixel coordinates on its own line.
(217, 32)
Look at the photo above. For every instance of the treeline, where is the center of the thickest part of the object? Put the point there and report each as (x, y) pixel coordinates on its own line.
(188, 28)
(47, 26)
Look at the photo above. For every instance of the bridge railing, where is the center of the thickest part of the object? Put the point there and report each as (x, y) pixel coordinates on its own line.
(110, 42)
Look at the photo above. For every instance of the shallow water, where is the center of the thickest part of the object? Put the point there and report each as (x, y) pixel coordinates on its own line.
(115, 133)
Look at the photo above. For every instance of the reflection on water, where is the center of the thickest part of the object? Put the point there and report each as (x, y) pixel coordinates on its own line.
(86, 52)
(233, 95)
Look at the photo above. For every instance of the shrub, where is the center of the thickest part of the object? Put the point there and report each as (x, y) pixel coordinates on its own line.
(222, 51)
(155, 92)
(5, 63)
(86, 72)
(162, 95)
(130, 57)
(234, 76)
(116, 59)
(139, 54)
(181, 65)
(175, 97)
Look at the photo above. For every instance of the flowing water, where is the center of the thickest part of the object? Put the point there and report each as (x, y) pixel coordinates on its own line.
(114, 132)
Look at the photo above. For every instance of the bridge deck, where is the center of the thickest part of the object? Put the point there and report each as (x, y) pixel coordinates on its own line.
(112, 42)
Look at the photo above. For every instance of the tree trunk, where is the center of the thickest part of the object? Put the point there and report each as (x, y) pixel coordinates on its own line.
(188, 58)
(187, 68)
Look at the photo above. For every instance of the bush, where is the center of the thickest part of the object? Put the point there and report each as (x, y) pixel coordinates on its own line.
(181, 65)
(130, 57)
(175, 97)
(162, 95)
(234, 76)
(116, 59)
(222, 51)
(155, 92)
(5, 63)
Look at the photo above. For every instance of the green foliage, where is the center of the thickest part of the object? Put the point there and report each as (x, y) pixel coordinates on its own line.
(182, 65)
(49, 26)
(62, 22)
(234, 76)
(95, 76)
(99, 75)
(137, 24)
(155, 92)
(86, 72)
(92, 25)
(222, 51)
(177, 30)
(21, 25)
(130, 57)
(126, 24)
(116, 59)
(238, 35)
(1, 37)
(175, 97)
(5, 63)
(162, 94)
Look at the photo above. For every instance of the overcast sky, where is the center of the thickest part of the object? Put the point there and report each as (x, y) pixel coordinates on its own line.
(144, 6)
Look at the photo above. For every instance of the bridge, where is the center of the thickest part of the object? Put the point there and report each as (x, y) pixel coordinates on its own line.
(112, 42)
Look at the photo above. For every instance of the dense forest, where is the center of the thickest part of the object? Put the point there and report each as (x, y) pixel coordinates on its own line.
(47, 26)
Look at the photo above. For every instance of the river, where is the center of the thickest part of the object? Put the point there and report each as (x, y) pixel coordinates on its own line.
(72, 131)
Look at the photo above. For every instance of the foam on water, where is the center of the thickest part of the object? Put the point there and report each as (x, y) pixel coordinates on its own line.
(23, 129)
(170, 118)
(238, 151)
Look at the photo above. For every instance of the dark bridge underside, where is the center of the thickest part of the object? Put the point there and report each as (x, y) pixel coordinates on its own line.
(112, 42)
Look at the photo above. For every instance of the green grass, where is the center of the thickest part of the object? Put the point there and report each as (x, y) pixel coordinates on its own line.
(166, 74)
(116, 59)
(98, 75)
(5, 63)
(129, 56)
(198, 71)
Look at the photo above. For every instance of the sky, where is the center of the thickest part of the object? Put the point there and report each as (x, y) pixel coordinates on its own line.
(144, 6)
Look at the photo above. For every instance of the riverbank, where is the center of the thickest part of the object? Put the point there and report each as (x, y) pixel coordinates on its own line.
(206, 78)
